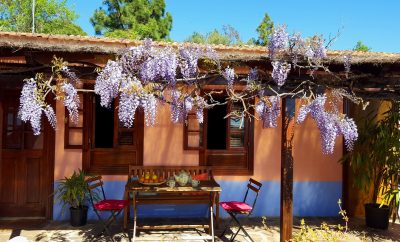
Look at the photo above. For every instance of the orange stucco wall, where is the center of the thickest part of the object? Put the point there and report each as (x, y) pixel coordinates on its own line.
(66, 160)
(164, 146)
(163, 143)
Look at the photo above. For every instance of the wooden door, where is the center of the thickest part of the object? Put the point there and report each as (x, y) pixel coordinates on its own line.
(26, 164)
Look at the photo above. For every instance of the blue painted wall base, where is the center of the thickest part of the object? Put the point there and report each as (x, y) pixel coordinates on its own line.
(309, 198)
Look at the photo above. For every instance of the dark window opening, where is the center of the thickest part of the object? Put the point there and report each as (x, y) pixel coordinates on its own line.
(216, 132)
(104, 125)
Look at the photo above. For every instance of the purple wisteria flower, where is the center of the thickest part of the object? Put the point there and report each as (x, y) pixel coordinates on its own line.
(69, 74)
(108, 83)
(269, 111)
(160, 66)
(279, 40)
(189, 58)
(309, 52)
(229, 75)
(180, 106)
(134, 96)
(131, 59)
(128, 104)
(51, 116)
(200, 106)
(129, 101)
(175, 106)
(150, 105)
(330, 125)
(348, 128)
(280, 71)
(71, 101)
(253, 74)
(29, 108)
(296, 44)
(320, 50)
(315, 48)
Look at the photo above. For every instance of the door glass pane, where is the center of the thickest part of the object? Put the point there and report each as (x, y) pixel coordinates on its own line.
(237, 140)
(194, 140)
(10, 119)
(216, 132)
(193, 123)
(125, 137)
(104, 125)
(75, 136)
(237, 123)
(33, 142)
(13, 139)
(19, 122)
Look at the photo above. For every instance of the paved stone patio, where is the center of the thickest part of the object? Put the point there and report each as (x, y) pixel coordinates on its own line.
(260, 230)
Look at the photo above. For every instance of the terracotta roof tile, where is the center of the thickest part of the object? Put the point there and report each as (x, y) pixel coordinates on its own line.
(91, 44)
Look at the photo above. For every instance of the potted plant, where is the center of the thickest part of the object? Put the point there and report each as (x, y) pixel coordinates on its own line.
(72, 191)
(375, 165)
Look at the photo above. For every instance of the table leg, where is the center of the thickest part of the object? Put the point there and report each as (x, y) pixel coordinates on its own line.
(212, 222)
(134, 216)
(217, 210)
(126, 210)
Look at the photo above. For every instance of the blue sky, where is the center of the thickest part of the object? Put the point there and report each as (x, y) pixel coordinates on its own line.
(376, 23)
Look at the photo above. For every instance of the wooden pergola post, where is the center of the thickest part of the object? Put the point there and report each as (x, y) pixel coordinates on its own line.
(286, 204)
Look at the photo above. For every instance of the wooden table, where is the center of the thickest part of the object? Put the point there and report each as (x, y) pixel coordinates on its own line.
(206, 193)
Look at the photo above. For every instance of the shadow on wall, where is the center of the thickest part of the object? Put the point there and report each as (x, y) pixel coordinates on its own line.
(310, 199)
(316, 198)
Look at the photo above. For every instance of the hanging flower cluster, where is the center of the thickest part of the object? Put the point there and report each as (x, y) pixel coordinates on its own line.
(108, 82)
(269, 110)
(280, 71)
(71, 101)
(229, 75)
(330, 124)
(69, 74)
(32, 105)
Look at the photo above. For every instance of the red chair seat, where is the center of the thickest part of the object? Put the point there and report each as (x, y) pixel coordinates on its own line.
(111, 205)
(239, 207)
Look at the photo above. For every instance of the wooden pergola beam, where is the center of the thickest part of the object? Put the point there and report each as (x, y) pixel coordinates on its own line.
(286, 200)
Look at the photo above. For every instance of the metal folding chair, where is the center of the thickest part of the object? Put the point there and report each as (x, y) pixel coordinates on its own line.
(235, 208)
(101, 204)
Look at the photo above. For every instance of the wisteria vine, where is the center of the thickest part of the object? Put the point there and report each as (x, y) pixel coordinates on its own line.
(145, 76)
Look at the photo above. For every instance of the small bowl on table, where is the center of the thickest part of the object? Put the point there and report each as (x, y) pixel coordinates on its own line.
(171, 183)
(195, 183)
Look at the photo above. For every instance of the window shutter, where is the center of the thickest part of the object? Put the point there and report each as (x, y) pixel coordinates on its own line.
(193, 133)
(73, 133)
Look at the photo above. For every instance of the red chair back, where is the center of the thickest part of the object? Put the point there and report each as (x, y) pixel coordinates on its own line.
(254, 186)
(94, 184)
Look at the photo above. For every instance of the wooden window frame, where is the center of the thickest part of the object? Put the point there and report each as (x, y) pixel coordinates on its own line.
(247, 150)
(117, 152)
